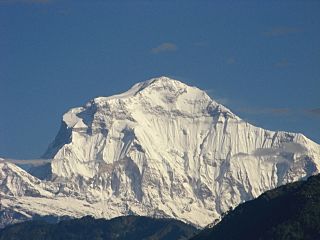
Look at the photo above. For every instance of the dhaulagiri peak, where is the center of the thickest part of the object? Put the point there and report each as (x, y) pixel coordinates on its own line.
(160, 149)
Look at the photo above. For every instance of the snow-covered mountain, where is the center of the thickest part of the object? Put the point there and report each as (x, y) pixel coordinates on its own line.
(160, 149)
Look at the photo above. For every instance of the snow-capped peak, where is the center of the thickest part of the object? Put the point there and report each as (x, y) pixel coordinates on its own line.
(164, 148)
(155, 88)
(154, 83)
(159, 95)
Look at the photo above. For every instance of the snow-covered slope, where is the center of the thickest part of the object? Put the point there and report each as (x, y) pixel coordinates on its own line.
(161, 148)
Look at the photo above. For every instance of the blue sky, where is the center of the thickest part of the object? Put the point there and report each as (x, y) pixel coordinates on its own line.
(259, 58)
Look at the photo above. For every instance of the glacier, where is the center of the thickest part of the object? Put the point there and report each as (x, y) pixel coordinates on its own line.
(161, 149)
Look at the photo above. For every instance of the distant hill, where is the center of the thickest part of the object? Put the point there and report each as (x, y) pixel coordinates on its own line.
(120, 228)
(290, 212)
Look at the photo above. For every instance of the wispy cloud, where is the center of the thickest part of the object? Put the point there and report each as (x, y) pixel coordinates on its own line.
(289, 147)
(281, 31)
(276, 152)
(164, 47)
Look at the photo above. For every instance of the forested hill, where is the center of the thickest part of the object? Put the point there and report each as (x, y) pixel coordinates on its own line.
(120, 228)
(290, 212)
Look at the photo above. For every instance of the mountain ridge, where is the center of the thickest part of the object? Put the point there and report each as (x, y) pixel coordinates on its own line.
(162, 148)
(290, 211)
(120, 228)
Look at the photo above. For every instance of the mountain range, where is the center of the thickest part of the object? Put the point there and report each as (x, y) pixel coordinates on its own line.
(161, 149)
(291, 211)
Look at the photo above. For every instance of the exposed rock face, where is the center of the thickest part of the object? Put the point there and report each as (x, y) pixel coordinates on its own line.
(161, 148)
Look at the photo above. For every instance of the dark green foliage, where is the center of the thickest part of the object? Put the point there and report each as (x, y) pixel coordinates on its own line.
(287, 213)
(124, 228)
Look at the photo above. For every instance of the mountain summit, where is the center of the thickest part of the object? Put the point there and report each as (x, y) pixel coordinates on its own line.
(162, 148)
(147, 122)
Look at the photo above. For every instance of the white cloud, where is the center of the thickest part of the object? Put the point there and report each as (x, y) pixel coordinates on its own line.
(164, 47)
(290, 147)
